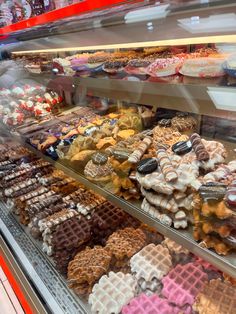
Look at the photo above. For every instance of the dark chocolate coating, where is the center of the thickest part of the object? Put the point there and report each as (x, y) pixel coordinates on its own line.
(147, 165)
(212, 191)
(99, 158)
(181, 148)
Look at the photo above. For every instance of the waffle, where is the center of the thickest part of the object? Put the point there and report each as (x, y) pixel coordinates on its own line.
(34, 224)
(174, 247)
(111, 293)
(44, 201)
(48, 225)
(153, 304)
(183, 283)
(153, 261)
(217, 297)
(218, 209)
(148, 287)
(87, 267)
(106, 219)
(152, 236)
(125, 243)
(210, 241)
(70, 234)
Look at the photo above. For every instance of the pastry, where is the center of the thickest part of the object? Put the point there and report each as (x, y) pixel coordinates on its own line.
(165, 165)
(98, 172)
(203, 67)
(165, 67)
(137, 66)
(86, 268)
(111, 293)
(106, 219)
(144, 304)
(183, 283)
(140, 150)
(147, 165)
(153, 261)
(216, 297)
(182, 148)
(199, 148)
(183, 122)
(125, 243)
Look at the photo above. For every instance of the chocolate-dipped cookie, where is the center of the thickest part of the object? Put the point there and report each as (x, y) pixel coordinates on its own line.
(212, 191)
(99, 158)
(147, 165)
(182, 148)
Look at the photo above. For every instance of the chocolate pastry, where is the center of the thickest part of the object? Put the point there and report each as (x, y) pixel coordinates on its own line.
(212, 191)
(43, 203)
(164, 122)
(34, 224)
(86, 268)
(147, 165)
(71, 234)
(99, 158)
(199, 148)
(98, 172)
(123, 244)
(106, 219)
(183, 122)
(181, 148)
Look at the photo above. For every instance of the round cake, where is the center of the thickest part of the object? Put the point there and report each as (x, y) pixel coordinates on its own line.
(203, 67)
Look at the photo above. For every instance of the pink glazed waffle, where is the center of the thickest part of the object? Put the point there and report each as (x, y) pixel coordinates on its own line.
(183, 283)
(151, 305)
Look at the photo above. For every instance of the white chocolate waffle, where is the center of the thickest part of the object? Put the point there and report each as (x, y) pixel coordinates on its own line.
(112, 292)
(153, 261)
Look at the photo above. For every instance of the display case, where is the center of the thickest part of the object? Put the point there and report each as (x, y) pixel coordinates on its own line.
(124, 112)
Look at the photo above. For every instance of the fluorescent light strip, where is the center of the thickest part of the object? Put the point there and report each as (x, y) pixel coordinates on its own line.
(168, 42)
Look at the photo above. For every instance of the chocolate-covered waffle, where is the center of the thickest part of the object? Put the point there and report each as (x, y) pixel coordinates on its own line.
(69, 237)
(86, 268)
(34, 223)
(106, 219)
(48, 225)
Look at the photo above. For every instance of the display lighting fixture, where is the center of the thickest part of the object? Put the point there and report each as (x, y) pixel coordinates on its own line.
(168, 42)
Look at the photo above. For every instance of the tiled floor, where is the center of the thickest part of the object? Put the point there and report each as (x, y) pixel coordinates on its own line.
(9, 304)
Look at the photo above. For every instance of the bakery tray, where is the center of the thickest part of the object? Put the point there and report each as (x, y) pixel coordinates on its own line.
(226, 264)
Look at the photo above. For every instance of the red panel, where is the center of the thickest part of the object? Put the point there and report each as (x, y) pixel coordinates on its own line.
(71, 10)
(15, 286)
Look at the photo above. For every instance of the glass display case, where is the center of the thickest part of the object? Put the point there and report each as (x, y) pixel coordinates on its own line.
(121, 118)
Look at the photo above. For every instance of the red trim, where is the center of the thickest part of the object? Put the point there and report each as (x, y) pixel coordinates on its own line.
(74, 9)
(15, 286)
